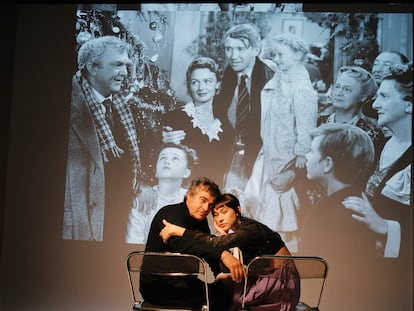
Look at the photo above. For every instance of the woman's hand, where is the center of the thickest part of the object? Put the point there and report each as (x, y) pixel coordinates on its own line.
(366, 213)
(170, 230)
(171, 136)
(218, 229)
(281, 182)
(236, 268)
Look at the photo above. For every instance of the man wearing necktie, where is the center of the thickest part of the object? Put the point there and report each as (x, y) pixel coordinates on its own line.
(242, 110)
(103, 165)
(107, 103)
(239, 99)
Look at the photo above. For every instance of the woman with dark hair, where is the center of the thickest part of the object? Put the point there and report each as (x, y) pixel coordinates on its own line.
(195, 125)
(251, 239)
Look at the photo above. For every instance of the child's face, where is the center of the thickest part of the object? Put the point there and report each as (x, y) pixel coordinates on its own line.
(203, 85)
(285, 57)
(314, 161)
(224, 217)
(172, 163)
(346, 93)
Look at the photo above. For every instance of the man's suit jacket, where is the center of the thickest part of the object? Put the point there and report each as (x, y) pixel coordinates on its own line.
(260, 75)
(85, 175)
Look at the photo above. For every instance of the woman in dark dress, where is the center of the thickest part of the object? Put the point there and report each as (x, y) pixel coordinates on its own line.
(195, 125)
(386, 207)
(354, 88)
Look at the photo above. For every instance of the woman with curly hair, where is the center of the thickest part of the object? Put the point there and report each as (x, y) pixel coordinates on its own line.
(386, 206)
(354, 88)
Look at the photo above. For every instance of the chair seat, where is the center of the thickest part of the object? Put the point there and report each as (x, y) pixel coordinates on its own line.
(162, 266)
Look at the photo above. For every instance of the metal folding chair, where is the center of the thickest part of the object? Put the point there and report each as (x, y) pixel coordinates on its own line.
(312, 272)
(164, 265)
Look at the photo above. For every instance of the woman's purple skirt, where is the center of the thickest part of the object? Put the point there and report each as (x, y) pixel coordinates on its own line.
(278, 292)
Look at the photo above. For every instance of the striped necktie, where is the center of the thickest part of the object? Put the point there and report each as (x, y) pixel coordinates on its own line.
(243, 107)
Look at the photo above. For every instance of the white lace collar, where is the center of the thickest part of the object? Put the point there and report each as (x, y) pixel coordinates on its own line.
(208, 126)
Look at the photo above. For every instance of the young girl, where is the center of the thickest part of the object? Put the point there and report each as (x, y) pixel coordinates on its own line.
(253, 239)
(289, 113)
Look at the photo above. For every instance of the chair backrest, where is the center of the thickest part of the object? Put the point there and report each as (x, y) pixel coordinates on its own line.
(163, 264)
(310, 268)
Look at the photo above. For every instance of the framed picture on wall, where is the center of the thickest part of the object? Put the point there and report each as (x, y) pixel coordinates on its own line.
(293, 26)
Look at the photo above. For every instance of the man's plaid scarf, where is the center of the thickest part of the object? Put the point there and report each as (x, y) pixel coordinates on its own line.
(106, 138)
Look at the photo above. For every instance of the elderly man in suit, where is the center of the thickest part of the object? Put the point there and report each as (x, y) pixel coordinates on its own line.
(103, 165)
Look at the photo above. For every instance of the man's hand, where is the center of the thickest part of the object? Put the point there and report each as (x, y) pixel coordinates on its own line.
(236, 268)
(170, 230)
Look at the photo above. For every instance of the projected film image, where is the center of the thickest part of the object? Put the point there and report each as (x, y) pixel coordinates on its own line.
(287, 110)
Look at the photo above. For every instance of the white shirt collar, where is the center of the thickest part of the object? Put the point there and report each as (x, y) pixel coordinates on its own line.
(99, 97)
(247, 72)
